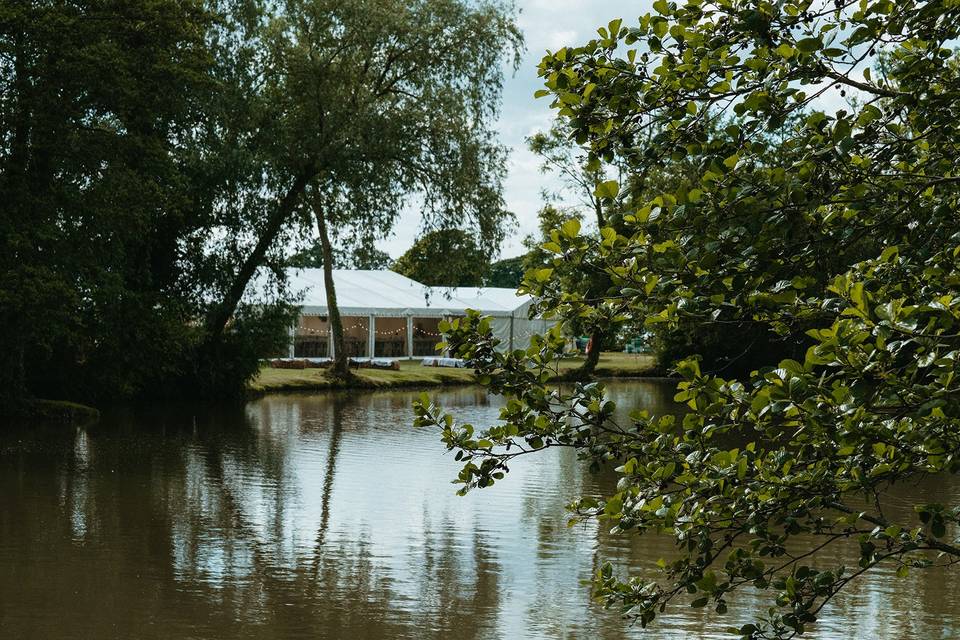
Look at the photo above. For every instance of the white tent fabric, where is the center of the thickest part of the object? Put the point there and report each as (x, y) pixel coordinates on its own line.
(363, 293)
(492, 301)
(388, 294)
(512, 325)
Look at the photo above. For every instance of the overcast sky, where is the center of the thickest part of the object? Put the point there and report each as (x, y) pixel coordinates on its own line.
(546, 24)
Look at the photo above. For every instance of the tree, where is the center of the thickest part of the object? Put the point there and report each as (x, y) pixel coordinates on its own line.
(589, 182)
(368, 105)
(506, 273)
(575, 275)
(734, 350)
(361, 257)
(107, 175)
(846, 228)
(370, 258)
(156, 155)
(445, 258)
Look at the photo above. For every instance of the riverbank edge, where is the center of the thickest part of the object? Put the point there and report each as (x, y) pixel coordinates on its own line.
(75, 413)
(366, 384)
(357, 384)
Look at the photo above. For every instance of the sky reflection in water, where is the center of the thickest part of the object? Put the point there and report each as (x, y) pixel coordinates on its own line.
(329, 516)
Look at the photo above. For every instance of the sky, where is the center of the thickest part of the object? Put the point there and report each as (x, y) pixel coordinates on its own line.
(546, 24)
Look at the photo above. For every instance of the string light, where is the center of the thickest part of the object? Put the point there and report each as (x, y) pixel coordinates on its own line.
(389, 342)
(319, 332)
(395, 332)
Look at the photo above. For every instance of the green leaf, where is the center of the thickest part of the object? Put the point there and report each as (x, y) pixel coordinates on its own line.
(570, 228)
(613, 506)
(785, 51)
(809, 45)
(552, 247)
(609, 235)
(660, 27)
(608, 189)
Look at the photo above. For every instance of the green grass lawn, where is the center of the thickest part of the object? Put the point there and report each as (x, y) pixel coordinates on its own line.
(413, 374)
(615, 364)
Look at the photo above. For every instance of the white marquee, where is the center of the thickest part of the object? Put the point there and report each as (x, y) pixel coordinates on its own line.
(389, 315)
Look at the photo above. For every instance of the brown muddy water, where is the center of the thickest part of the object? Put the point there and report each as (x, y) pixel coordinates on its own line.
(329, 516)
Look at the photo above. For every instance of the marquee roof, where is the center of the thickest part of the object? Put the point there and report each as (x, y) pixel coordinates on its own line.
(386, 293)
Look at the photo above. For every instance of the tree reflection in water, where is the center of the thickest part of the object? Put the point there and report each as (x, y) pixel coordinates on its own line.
(327, 516)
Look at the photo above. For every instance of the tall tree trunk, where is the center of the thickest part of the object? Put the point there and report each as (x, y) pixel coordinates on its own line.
(596, 344)
(597, 336)
(341, 362)
(220, 315)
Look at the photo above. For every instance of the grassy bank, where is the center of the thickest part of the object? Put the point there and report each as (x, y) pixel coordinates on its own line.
(617, 365)
(412, 374)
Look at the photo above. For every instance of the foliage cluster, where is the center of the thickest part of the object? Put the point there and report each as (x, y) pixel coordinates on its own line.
(506, 273)
(824, 206)
(359, 257)
(445, 258)
(734, 349)
(158, 157)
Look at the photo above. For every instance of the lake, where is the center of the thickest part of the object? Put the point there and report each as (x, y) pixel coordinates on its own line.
(329, 516)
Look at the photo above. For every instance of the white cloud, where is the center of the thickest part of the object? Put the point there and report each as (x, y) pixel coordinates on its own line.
(559, 39)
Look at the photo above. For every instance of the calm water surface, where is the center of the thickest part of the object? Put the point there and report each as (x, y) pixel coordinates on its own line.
(328, 516)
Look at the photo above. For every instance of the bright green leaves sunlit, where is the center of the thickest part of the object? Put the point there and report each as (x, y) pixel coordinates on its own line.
(608, 189)
(570, 228)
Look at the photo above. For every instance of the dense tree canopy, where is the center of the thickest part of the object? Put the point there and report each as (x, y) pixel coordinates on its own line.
(106, 192)
(587, 182)
(156, 155)
(733, 349)
(445, 258)
(825, 209)
(506, 273)
(361, 257)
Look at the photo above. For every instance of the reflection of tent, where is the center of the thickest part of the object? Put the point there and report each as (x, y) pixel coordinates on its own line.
(388, 315)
